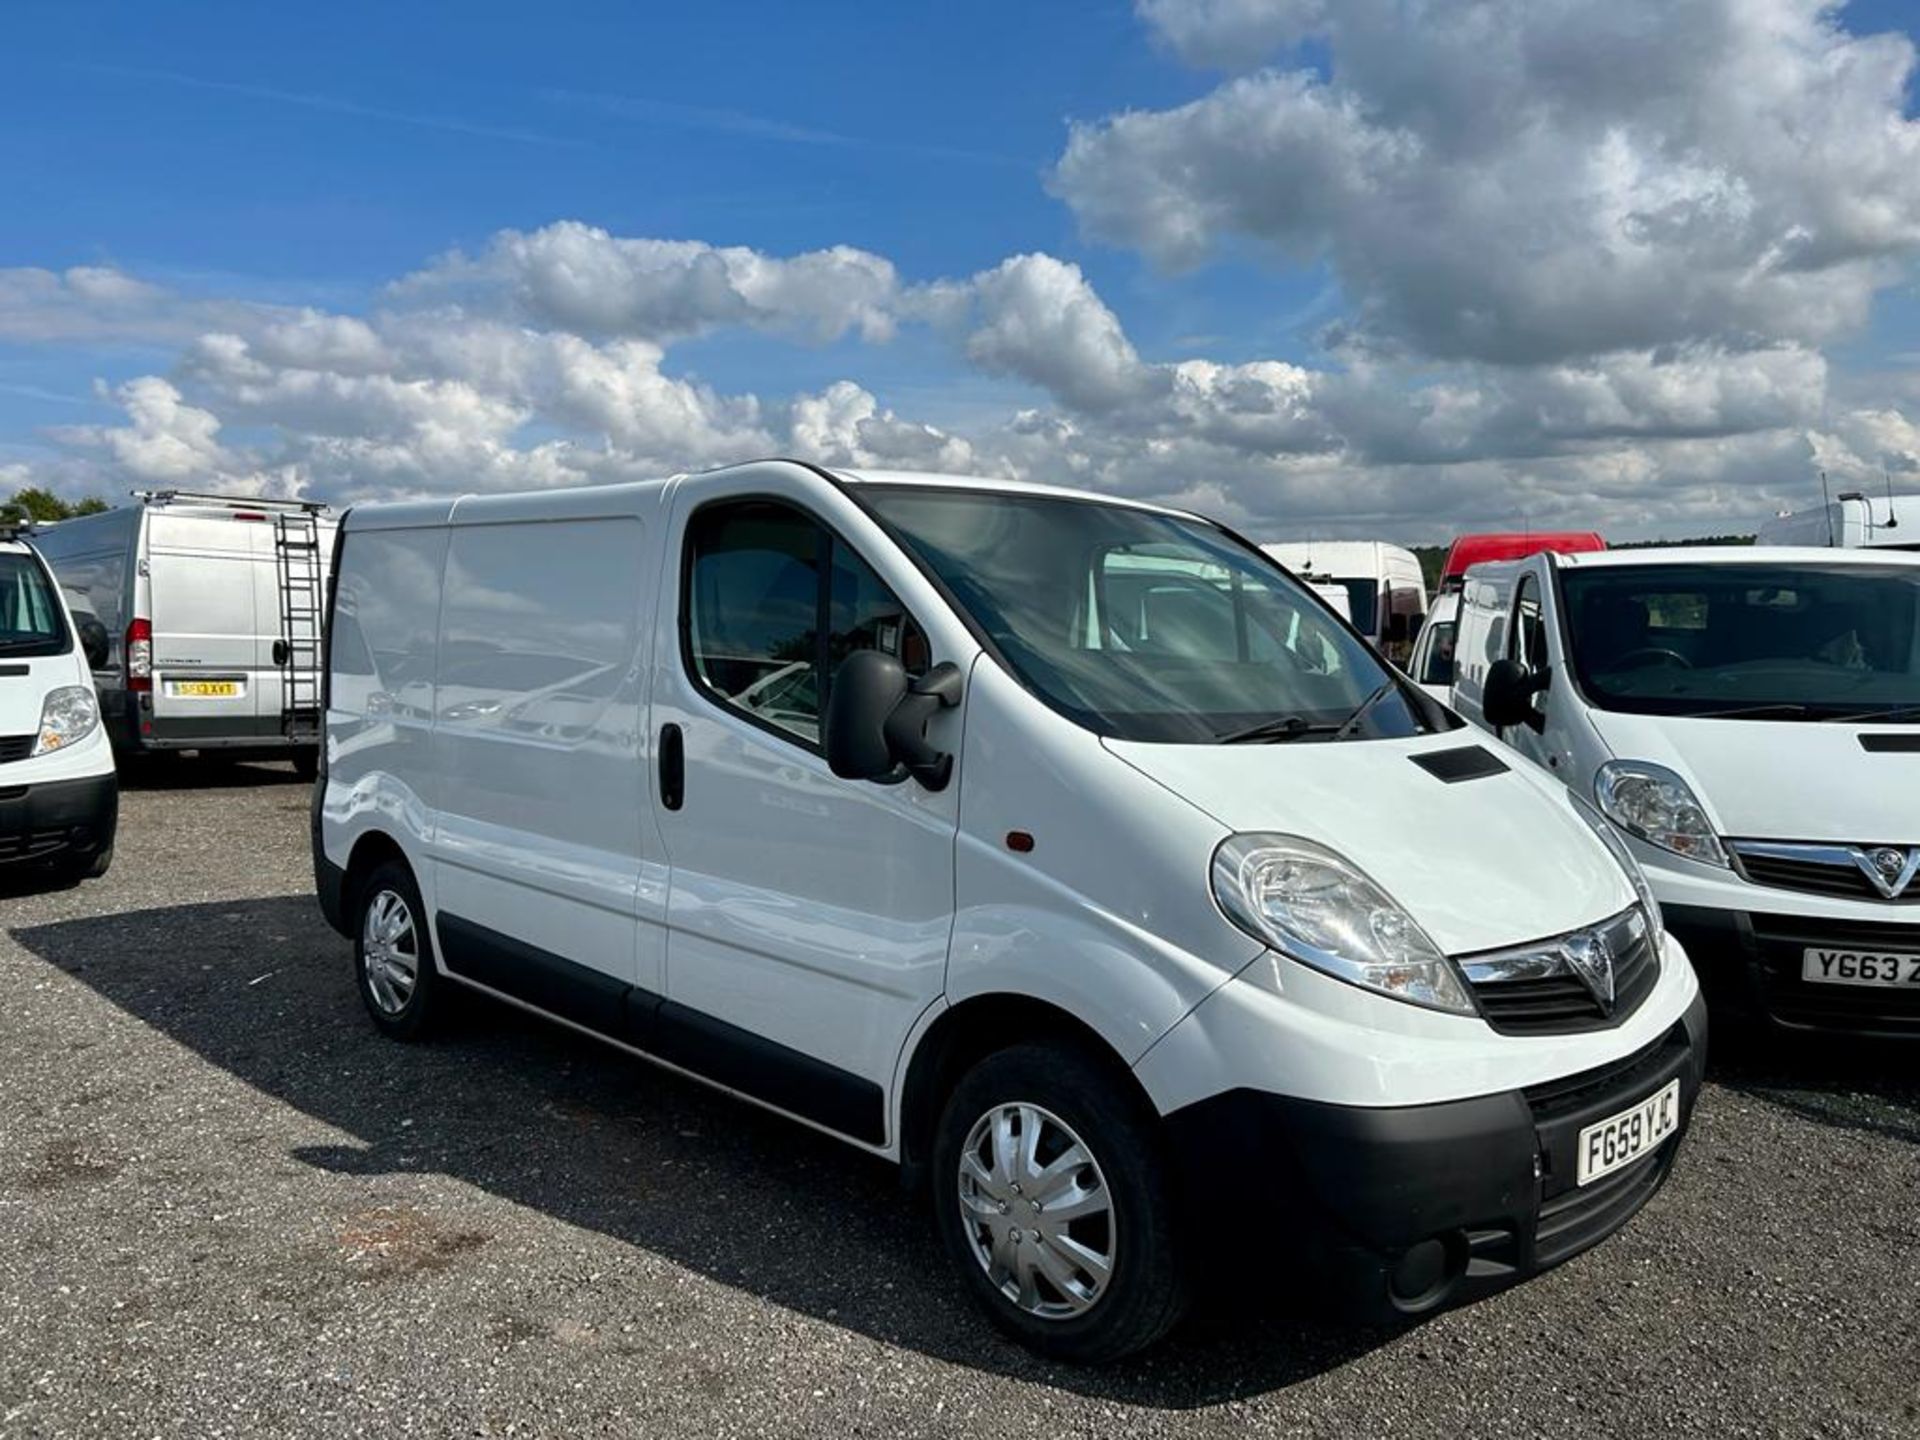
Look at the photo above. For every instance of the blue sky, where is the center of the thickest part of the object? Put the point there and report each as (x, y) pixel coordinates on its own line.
(309, 156)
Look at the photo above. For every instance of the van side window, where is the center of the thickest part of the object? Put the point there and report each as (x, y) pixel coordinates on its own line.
(1529, 630)
(774, 601)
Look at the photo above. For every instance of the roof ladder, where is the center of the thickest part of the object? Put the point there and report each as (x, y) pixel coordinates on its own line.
(296, 550)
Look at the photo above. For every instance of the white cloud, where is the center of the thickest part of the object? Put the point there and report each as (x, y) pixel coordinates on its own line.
(1231, 34)
(1528, 181)
(581, 279)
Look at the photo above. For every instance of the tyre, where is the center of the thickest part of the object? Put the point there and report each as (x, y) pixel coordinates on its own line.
(393, 953)
(1052, 1197)
(306, 765)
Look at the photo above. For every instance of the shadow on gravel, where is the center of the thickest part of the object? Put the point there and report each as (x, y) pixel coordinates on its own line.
(550, 1120)
(166, 771)
(1850, 1084)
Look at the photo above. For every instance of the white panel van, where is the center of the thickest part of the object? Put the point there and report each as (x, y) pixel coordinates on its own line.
(1750, 719)
(59, 801)
(1853, 521)
(212, 606)
(1066, 851)
(1386, 592)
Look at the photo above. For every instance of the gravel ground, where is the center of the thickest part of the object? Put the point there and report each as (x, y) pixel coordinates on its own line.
(228, 1208)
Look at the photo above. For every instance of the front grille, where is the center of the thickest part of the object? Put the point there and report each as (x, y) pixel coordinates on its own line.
(1562, 1004)
(1578, 1219)
(1573, 1217)
(1621, 1079)
(1816, 870)
(1781, 942)
(29, 845)
(15, 747)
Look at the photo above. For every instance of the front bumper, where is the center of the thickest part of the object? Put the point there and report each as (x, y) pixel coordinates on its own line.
(1749, 964)
(57, 822)
(1397, 1211)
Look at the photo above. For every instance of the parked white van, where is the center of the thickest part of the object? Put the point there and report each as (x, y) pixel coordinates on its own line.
(1854, 521)
(212, 606)
(59, 801)
(1750, 719)
(1386, 592)
(1062, 849)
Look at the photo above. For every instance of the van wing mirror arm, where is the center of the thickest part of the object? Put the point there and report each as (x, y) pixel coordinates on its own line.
(906, 728)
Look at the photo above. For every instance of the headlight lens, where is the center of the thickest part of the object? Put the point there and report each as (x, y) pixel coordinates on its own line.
(1610, 837)
(1655, 804)
(1309, 903)
(68, 714)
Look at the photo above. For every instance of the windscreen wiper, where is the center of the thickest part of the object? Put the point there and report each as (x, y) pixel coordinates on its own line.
(1784, 710)
(1871, 717)
(1278, 730)
(1347, 726)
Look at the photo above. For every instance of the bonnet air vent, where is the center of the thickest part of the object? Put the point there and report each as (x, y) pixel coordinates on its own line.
(1466, 762)
(1883, 743)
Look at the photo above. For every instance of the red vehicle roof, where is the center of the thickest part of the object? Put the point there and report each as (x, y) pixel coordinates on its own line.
(1471, 550)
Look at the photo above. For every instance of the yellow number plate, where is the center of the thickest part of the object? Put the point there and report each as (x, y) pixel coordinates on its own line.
(211, 689)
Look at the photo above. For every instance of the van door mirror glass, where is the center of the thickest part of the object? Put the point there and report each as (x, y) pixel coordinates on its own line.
(1506, 697)
(94, 643)
(877, 720)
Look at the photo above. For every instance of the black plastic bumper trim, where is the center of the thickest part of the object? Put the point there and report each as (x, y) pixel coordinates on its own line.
(1350, 1191)
(57, 821)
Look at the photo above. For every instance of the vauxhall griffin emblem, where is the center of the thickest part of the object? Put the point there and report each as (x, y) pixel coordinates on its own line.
(1591, 958)
(1889, 868)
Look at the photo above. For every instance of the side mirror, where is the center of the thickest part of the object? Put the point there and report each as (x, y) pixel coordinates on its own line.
(94, 643)
(876, 724)
(1414, 625)
(1506, 696)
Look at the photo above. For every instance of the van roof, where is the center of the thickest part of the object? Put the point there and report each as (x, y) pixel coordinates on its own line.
(935, 480)
(1724, 555)
(1470, 550)
(442, 509)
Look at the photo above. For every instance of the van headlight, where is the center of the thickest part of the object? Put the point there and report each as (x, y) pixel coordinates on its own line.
(1313, 905)
(1652, 802)
(68, 714)
(1610, 837)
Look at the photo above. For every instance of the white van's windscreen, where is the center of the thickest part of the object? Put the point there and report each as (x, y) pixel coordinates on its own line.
(1790, 642)
(30, 622)
(1148, 626)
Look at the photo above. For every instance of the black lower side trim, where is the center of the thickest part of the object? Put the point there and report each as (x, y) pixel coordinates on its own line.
(58, 822)
(691, 1039)
(1395, 1211)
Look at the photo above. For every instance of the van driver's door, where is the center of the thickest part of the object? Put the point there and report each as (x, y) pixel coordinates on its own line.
(808, 916)
(1533, 644)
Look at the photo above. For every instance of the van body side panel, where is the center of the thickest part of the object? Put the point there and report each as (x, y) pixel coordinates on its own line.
(543, 825)
(379, 723)
(1110, 915)
(806, 910)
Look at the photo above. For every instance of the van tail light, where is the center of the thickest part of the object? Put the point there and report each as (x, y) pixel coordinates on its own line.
(140, 655)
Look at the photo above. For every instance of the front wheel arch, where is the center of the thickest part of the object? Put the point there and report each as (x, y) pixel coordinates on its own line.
(967, 1033)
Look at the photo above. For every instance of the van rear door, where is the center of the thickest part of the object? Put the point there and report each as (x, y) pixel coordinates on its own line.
(207, 632)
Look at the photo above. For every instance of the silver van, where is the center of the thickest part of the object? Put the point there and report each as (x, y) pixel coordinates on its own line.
(212, 606)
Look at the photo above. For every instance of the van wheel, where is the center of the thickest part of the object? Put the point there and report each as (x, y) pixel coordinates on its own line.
(1052, 1197)
(306, 765)
(393, 954)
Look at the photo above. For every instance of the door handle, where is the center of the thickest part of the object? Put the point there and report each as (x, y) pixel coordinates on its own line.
(673, 767)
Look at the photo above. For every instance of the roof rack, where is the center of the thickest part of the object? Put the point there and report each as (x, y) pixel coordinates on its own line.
(231, 502)
(17, 527)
